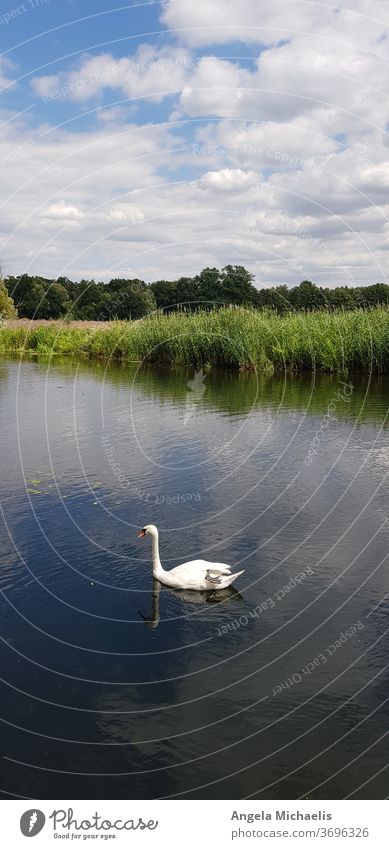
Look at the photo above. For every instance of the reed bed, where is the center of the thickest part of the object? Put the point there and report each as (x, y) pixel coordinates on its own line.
(236, 338)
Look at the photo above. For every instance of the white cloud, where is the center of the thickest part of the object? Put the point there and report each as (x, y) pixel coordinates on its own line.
(45, 86)
(112, 115)
(214, 87)
(150, 72)
(281, 161)
(94, 205)
(228, 180)
(123, 213)
(64, 211)
(288, 82)
(264, 145)
(222, 21)
(7, 69)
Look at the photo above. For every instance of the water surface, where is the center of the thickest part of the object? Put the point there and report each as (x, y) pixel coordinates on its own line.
(113, 687)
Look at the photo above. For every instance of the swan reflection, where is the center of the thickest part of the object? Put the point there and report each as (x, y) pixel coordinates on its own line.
(189, 597)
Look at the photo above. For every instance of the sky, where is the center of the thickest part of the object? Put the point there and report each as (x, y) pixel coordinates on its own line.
(153, 139)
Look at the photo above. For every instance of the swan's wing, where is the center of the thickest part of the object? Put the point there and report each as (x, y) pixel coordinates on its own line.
(198, 566)
(218, 568)
(200, 575)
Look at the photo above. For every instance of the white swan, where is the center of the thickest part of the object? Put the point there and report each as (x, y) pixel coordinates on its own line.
(195, 575)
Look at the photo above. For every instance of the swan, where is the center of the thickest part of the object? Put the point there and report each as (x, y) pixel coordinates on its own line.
(195, 575)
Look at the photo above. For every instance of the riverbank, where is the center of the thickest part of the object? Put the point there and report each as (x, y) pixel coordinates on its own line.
(235, 338)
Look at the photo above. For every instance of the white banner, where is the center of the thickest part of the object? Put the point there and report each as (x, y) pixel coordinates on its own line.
(187, 824)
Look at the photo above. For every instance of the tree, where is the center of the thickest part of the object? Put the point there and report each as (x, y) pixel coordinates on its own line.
(237, 285)
(91, 301)
(130, 299)
(55, 303)
(277, 297)
(7, 306)
(376, 294)
(208, 285)
(122, 298)
(188, 292)
(28, 296)
(341, 297)
(70, 287)
(165, 293)
(307, 296)
(282, 298)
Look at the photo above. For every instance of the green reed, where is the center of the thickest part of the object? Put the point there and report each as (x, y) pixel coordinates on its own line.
(231, 337)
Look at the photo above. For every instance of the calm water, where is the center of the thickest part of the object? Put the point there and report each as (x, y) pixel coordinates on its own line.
(112, 687)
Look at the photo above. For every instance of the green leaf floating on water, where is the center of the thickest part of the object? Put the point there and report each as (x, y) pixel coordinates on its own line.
(35, 491)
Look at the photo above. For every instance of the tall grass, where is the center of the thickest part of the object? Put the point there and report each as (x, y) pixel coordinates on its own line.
(237, 338)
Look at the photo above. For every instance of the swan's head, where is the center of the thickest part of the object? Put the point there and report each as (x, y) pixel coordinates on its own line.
(148, 529)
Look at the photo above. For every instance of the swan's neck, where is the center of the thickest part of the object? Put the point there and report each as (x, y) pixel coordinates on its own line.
(157, 566)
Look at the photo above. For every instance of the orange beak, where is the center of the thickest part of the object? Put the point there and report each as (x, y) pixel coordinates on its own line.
(142, 533)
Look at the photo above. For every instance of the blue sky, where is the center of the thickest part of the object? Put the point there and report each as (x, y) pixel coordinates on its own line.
(156, 139)
(46, 37)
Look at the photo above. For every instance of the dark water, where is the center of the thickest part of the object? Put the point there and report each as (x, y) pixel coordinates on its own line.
(114, 688)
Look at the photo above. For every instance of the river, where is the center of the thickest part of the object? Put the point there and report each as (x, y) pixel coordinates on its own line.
(113, 687)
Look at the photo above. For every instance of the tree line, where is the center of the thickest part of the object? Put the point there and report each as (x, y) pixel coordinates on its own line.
(122, 298)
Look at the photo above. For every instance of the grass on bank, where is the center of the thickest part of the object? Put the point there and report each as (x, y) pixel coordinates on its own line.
(236, 338)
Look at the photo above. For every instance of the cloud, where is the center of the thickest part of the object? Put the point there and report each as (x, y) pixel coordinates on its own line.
(95, 205)
(7, 67)
(222, 21)
(310, 58)
(113, 114)
(45, 86)
(264, 145)
(214, 87)
(124, 213)
(288, 82)
(150, 72)
(63, 211)
(276, 160)
(228, 180)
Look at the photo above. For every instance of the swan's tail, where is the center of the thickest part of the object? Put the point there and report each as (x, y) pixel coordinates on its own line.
(229, 579)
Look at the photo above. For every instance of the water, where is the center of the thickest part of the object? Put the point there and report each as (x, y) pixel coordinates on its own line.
(114, 687)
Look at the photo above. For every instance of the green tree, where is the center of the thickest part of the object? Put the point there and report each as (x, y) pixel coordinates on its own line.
(28, 295)
(70, 287)
(130, 299)
(55, 303)
(90, 301)
(188, 292)
(165, 293)
(237, 285)
(7, 306)
(276, 297)
(307, 296)
(340, 297)
(208, 285)
(282, 299)
(376, 294)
